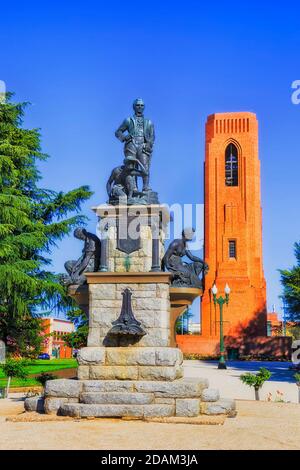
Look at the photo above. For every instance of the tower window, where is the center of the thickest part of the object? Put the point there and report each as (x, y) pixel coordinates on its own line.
(232, 249)
(231, 165)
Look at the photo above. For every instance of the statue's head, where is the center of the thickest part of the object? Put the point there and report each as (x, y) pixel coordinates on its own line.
(80, 233)
(188, 233)
(139, 106)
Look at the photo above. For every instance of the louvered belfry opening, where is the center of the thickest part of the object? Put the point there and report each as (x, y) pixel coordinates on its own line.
(231, 166)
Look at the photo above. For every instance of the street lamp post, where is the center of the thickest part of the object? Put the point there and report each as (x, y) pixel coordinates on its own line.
(221, 301)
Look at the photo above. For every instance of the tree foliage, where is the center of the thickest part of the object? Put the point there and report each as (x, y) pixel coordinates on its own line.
(297, 378)
(32, 221)
(290, 280)
(15, 368)
(182, 323)
(77, 339)
(256, 380)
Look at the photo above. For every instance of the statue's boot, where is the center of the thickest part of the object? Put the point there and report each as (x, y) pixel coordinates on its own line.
(146, 186)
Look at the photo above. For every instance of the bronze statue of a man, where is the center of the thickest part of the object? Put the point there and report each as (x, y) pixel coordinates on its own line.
(137, 133)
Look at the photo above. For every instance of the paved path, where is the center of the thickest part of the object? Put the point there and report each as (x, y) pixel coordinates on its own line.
(230, 385)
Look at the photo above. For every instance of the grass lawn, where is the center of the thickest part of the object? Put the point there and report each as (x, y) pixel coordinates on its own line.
(36, 367)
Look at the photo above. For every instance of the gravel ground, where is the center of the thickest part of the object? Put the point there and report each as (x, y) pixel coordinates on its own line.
(259, 425)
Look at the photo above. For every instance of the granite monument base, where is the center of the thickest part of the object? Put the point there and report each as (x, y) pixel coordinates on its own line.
(134, 398)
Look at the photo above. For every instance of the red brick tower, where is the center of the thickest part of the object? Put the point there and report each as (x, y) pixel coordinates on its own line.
(233, 226)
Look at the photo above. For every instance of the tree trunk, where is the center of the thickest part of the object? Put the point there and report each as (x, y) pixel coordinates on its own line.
(256, 394)
(7, 387)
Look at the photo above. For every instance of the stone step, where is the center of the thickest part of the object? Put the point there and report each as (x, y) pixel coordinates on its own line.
(223, 406)
(181, 408)
(116, 398)
(34, 404)
(137, 372)
(182, 388)
(107, 386)
(210, 395)
(82, 410)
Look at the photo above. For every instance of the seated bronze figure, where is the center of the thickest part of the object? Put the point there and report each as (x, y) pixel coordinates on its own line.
(184, 274)
(89, 260)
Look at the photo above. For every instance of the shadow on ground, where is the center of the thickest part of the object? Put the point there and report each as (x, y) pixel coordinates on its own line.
(280, 370)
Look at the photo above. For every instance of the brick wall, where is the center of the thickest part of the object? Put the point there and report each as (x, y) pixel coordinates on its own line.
(279, 346)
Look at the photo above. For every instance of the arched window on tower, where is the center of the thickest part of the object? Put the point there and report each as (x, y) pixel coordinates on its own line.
(231, 166)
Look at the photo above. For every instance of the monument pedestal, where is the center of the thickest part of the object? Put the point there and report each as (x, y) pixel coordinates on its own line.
(135, 398)
(150, 304)
(130, 363)
(130, 367)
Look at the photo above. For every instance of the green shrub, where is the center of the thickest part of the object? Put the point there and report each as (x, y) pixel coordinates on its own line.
(44, 376)
(297, 378)
(14, 368)
(200, 357)
(256, 380)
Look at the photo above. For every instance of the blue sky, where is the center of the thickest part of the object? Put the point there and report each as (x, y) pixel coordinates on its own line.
(82, 63)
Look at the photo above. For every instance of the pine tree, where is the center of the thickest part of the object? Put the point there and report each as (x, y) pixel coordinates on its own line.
(290, 280)
(32, 221)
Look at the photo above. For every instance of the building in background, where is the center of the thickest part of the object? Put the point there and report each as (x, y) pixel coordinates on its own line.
(279, 327)
(233, 242)
(233, 225)
(274, 325)
(54, 344)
